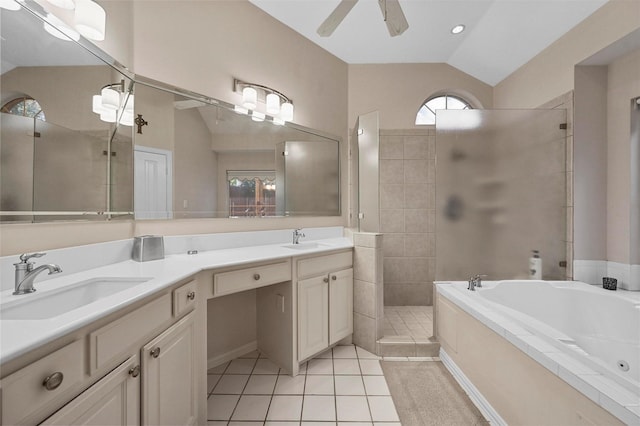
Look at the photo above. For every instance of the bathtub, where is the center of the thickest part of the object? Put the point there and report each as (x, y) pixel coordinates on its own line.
(587, 336)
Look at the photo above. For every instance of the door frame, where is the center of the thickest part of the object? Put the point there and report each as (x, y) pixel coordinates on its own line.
(169, 156)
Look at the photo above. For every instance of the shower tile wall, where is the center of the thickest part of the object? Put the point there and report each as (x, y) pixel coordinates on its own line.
(407, 215)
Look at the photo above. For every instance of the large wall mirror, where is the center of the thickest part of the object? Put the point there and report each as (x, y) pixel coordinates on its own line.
(64, 157)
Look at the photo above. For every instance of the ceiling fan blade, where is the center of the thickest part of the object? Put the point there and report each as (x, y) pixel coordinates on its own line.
(333, 20)
(393, 17)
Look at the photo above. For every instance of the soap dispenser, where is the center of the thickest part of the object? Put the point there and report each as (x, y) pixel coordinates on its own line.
(535, 266)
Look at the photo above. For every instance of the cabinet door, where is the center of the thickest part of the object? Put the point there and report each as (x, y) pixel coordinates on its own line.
(340, 305)
(169, 384)
(313, 316)
(114, 400)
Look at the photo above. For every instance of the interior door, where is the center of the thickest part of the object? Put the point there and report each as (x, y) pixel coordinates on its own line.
(152, 183)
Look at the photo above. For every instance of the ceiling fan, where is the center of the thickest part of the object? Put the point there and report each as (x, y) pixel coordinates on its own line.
(391, 13)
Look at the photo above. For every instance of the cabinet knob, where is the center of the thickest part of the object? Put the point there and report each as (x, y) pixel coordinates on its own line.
(52, 381)
(191, 295)
(256, 277)
(155, 352)
(333, 277)
(325, 279)
(135, 371)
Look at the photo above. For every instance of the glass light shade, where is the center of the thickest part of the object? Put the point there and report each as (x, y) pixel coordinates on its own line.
(127, 118)
(249, 98)
(257, 116)
(240, 110)
(128, 106)
(96, 105)
(286, 111)
(61, 30)
(273, 104)
(90, 19)
(110, 98)
(9, 5)
(63, 4)
(278, 121)
(109, 116)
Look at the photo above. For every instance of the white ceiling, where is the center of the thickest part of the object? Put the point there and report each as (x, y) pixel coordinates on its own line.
(500, 35)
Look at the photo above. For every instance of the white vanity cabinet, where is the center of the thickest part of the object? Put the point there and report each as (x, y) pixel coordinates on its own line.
(325, 301)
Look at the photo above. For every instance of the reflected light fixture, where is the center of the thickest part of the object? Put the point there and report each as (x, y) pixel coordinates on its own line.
(59, 29)
(9, 5)
(458, 29)
(114, 104)
(277, 105)
(90, 19)
(257, 116)
(63, 4)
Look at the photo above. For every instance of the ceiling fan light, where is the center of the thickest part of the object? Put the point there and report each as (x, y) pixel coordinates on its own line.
(9, 5)
(458, 29)
(110, 99)
(286, 111)
(109, 116)
(63, 4)
(60, 30)
(90, 19)
(249, 98)
(273, 104)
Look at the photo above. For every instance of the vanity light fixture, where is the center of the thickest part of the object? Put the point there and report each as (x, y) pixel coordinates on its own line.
(458, 29)
(9, 5)
(90, 19)
(59, 29)
(63, 4)
(114, 102)
(277, 105)
(257, 116)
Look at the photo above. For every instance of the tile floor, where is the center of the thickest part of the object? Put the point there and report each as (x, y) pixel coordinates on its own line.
(343, 386)
(413, 321)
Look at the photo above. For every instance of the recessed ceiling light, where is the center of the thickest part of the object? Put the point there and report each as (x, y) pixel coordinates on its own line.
(457, 29)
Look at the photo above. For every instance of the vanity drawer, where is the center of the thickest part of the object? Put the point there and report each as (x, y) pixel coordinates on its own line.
(322, 264)
(42, 382)
(245, 279)
(109, 343)
(184, 298)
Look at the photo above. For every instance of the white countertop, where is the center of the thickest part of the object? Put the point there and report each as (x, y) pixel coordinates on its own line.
(18, 337)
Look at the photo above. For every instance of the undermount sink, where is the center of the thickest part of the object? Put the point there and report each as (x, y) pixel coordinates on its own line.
(305, 246)
(50, 304)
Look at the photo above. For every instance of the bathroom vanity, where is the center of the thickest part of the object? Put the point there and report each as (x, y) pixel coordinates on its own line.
(140, 356)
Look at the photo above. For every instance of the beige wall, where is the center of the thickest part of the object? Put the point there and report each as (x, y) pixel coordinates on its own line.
(397, 91)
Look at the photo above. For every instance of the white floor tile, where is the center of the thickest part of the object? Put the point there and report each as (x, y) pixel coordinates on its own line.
(346, 366)
(302, 368)
(285, 407)
(212, 380)
(265, 366)
(319, 385)
(248, 423)
(318, 424)
(352, 408)
(376, 385)
(387, 424)
(216, 423)
(287, 385)
(220, 407)
(370, 367)
(349, 385)
(252, 407)
(252, 355)
(231, 384)
(345, 352)
(382, 409)
(319, 408)
(326, 354)
(218, 369)
(355, 424)
(240, 366)
(320, 366)
(365, 354)
(276, 423)
(260, 384)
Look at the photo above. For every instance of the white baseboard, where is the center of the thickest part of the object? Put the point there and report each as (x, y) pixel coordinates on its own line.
(233, 354)
(476, 397)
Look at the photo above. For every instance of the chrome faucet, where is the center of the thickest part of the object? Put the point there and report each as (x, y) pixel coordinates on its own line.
(25, 273)
(297, 233)
(475, 281)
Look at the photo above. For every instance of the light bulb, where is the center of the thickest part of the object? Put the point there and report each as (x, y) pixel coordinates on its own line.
(63, 4)
(59, 29)
(90, 19)
(9, 5)
(249, 98)
(110, 98)
(273, 104)
(286, 111)
(457, 29)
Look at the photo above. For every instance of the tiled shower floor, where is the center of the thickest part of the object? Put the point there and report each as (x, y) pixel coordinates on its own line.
(412, 321)
(344, 384)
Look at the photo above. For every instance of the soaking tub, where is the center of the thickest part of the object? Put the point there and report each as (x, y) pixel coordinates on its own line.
(586, 336)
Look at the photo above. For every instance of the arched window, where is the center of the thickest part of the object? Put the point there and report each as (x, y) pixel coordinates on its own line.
(25, 106)
(427, 112)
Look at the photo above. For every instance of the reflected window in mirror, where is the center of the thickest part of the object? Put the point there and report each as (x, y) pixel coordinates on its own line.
(251, 193)
(24, 106)
(427, 113)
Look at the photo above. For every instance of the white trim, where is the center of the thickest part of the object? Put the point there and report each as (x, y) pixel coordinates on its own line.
(232, 354)
(474, 394)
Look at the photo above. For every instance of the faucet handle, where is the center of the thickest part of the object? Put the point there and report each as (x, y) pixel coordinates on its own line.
(25, 256)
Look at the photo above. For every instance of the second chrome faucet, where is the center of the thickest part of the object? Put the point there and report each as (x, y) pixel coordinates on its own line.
(297, 233)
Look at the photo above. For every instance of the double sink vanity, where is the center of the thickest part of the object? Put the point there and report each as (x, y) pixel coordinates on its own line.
(126, 342)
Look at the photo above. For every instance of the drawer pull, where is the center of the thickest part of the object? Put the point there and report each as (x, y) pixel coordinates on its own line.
(256, 277)
(325, 279)
(191, 295)
(333, 277)
(155, 352)
(135, 371)
(53, 381)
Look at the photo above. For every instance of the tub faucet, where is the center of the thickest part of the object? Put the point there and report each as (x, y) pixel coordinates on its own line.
(25, 273)
(475, 281)
(297, 233)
